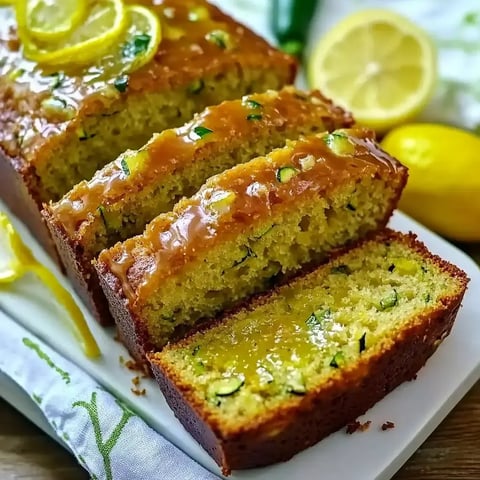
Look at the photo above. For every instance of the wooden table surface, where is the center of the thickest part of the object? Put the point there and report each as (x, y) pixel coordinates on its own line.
(451, 452)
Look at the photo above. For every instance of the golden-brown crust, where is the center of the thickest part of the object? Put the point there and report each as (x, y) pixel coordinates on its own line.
(303, 421)
(16, 192)
(78, 267)
(132, 331)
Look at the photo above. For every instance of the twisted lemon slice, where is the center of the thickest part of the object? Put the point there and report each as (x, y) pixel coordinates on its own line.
(102, 28)
(22, 261)
(137, 45)
(144, 35)
(48, 20)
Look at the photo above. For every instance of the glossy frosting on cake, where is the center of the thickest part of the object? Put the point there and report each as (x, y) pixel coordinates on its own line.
(241, 197)
(173, 150)
(188, 51)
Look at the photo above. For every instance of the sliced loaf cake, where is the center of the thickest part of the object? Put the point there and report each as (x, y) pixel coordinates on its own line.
(124, 196)
(297, 364)
(244, 230)
(59, 125)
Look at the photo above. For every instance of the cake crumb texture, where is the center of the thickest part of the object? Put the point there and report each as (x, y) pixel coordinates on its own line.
(246, 229)
(294, 365)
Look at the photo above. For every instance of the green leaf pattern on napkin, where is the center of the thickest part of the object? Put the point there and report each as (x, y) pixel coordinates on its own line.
(37, 398)
(105, 447)
(43, 356)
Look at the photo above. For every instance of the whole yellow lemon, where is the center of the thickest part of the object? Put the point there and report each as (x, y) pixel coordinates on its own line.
(443, 189)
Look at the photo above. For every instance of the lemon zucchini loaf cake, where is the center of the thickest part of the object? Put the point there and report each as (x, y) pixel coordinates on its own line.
(58, 125)
(294, 365)
(126, 194)
(245, 229)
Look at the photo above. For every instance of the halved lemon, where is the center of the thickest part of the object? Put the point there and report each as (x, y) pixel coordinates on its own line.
(50, 20)
(138, 45)
(101, 29)
(378, 64)
(17, 259)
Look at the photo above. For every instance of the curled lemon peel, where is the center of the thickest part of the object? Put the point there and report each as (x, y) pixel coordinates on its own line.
(24, 261)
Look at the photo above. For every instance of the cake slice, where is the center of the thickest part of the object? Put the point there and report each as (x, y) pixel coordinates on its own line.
(297, 364)
(58, 126)
(244, 230)
(128, 193)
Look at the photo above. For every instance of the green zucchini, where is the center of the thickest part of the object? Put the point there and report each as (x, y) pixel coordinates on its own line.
(285, 174)
(362, 342)
(317, 317)
(252, 104)
(290, 22)
(338, 360)
(202, 131)
(220, 38)
(339, 144)
(389, 301)
(248, 252)
(125, 167)
(196, 87)
(226, 386)
(341, 269)
(101, 210)
(121, 83)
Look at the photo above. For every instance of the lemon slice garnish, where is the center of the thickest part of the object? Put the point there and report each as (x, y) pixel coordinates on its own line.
(377, 64)
(22, 261)
(139, 44)
(101, 29)
(50, 20)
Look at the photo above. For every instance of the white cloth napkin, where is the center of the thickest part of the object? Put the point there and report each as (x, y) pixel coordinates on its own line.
(106, 437)
(109, 440)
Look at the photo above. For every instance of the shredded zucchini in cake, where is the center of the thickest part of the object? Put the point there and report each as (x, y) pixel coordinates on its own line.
(311, 330)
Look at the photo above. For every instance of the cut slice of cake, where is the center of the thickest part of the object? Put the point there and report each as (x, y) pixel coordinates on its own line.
(125, 195)
(297, 364)
(58, 126)
(245, 229)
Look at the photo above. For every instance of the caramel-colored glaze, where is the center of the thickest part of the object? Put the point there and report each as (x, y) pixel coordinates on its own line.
(173, 150)
(181, 59)
(239, 199)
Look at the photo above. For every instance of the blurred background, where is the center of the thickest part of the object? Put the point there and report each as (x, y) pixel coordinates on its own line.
(410, 69)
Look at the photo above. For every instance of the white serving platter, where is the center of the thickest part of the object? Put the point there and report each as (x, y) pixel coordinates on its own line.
(415, 407)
